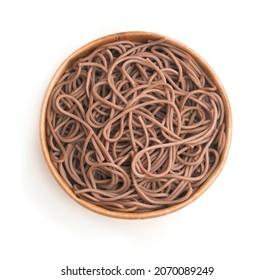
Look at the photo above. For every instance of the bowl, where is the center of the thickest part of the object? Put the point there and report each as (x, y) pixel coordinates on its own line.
(134, 36)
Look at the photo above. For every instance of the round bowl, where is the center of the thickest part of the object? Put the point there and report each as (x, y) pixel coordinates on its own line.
(134, 36)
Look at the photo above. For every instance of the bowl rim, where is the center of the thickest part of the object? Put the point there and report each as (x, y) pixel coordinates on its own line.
(134, 36)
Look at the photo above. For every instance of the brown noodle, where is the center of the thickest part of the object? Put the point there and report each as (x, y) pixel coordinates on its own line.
(135, 127)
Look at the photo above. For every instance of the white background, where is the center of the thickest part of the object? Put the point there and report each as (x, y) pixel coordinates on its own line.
(230, 227)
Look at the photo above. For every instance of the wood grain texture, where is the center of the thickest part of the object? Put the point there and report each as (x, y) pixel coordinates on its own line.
(134, 36)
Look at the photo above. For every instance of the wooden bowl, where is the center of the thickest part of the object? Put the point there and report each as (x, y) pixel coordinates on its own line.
(134, 36)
